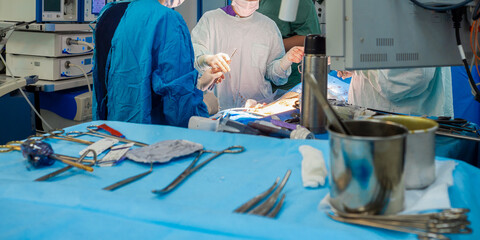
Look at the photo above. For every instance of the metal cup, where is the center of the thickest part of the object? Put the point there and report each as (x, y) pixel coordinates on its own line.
(420, 152)
(366, 168)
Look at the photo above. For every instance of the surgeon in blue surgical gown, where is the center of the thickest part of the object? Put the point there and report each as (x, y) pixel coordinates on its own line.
(149, 76)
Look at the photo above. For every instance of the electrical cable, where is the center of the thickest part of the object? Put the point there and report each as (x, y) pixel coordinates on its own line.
(476, 12)
(25, 96)
(441, 9)
(79, 42)
(457, 19)
(69, 64)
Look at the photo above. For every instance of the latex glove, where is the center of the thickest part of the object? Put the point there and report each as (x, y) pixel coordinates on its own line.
(208, 78)
(250, 103)
(219, 62)
(294, 55)
(212, 102)
(344, 74)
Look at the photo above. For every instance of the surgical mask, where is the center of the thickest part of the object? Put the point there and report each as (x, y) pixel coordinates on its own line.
(173, 3)
(245, 8)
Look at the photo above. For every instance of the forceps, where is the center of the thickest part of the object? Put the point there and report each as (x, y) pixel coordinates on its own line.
(93, 131)
(58, 134)
(193, 167)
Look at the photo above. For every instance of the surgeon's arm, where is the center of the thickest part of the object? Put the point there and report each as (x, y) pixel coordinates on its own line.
(278, 67)
(305, 24)
(201, 43)
(291, 42)
(173, 75)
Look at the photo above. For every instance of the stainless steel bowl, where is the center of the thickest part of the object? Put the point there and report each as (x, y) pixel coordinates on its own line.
(420, 152)
(367, 169)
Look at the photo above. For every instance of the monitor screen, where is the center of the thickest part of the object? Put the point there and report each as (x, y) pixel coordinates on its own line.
(97, 6)
(52, 5)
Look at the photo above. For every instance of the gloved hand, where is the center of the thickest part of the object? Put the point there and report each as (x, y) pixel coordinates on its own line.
(211, 101)
(218, 61)
(344, 74)
(294, 55)
(208, 78)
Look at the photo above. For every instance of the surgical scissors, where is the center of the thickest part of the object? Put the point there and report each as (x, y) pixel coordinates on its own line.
(66, 168)
(193, 167)
(92, 130)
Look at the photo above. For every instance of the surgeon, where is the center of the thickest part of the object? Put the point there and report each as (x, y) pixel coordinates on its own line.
(259, 58)
(293, 33)
(149, 73)
(415, 91)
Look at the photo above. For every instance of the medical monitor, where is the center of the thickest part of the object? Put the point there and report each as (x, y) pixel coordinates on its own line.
(378, 34)
(52, 6)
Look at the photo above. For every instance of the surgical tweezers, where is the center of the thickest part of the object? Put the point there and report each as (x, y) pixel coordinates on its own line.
(271, 206)
(193, 167)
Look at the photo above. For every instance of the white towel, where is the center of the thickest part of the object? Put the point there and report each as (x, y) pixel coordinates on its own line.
(314, 170)
(433, 197)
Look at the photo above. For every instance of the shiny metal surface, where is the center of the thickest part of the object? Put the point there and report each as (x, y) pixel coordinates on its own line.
(425, 226)
(312, 115)
(367, 169)
(271, 206)
(332, 117)
(420, 151)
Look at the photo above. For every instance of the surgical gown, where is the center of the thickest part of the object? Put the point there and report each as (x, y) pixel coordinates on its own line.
(257, 60)
(150, 77)
(415, 91)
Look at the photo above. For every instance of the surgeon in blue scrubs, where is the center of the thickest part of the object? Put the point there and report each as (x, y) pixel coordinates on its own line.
(149, 72)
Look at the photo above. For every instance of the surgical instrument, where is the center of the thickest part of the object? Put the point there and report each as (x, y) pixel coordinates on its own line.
(64, 169)
(93, 131)
(193, 167)
(16, 145)
(160, 152)
(128, 180)
(332, 117)
(452, 135)
(210, 88)
(426, 226)
(41, 154)
(268, 207)
(58, 134)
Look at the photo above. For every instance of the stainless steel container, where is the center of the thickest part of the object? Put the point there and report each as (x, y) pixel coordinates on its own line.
(316, 62)
(420, 151)
(367, 169)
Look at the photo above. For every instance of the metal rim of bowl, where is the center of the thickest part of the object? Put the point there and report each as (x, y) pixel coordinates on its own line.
(430, 129)
(380, 138)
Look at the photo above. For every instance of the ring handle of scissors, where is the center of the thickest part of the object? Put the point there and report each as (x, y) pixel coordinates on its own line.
(6, 148)
(10, 146)
(57, 132)
(234, 149)
(74, 134)
(37, 137)
(92, 128)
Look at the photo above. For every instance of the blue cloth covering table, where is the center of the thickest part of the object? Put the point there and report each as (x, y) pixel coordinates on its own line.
(73, 206)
